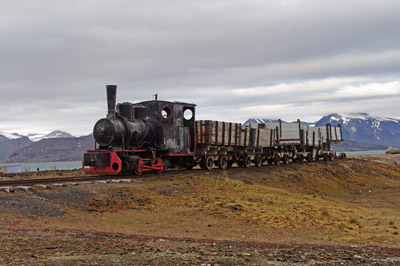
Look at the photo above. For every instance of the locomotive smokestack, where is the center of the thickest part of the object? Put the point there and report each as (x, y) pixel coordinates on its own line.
(111, 100)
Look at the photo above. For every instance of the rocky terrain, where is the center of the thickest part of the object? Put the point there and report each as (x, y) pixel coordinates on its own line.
(342, 212)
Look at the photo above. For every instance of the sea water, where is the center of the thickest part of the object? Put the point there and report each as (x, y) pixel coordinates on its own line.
(30, 167)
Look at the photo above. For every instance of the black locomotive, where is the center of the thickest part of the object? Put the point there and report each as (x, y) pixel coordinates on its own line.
(156, 135)
(145, 136)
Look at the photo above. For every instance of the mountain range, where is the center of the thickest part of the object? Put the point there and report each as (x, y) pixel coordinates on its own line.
(362, 127)
(361, 131)
(55, 146)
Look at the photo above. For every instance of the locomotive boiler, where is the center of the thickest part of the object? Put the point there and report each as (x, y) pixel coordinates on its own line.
(156, 135)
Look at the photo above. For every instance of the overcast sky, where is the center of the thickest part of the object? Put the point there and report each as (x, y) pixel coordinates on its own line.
(283, 59)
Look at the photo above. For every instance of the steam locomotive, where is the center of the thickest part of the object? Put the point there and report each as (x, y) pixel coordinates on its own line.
(157, 135)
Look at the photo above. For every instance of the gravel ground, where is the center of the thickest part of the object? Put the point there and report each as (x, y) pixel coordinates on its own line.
(72, 247)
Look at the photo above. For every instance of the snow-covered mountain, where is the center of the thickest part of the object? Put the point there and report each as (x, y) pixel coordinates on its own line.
(363, 127)
(11, 142)
(260, 121)
(361, 131)
(54, 134)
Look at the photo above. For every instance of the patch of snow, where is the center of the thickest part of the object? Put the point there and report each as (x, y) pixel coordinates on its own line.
(376, 123)
(36, 137)
(11, 135)
(345, 120)
(55, 134)
(362, 116)
(365, 116)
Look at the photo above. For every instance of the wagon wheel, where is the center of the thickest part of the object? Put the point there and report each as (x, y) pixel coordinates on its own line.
(285, 159)
(258, 161)
(309, 157)
(277, 159)
(247, 161)
(300, 158)
(223, 162)
(209, 162)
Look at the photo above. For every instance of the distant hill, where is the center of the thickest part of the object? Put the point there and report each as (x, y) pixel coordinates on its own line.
(362, 127)
(351, 145)
(54, 134)
(10, 143)
(54, 150)
(260, 121)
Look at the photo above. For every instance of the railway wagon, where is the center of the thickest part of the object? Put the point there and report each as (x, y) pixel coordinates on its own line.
(223, 144)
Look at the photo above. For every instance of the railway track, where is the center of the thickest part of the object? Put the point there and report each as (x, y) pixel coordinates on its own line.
(29, 182)
(77, 179)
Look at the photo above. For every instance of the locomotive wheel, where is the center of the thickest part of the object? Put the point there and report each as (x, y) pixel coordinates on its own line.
(223, 162)
(285, 159)
(247, 161)
(309, 157)
(160, 161)
(326, 157)
(300, 158)
(139, 169)
(277, 159)
(209, 162)
(240, 163)
(230, 163)
(258, 161)
(138, 172)
(270, 161)
(317, 157)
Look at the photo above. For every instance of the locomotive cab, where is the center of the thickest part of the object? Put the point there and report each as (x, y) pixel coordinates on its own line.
(176, 125)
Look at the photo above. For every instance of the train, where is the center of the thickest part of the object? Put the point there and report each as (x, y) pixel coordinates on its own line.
(156, 135)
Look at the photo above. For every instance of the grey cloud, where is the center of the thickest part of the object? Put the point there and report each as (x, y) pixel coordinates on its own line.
(198, 51)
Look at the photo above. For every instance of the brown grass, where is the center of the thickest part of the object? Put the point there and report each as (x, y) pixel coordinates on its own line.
(344, 202)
